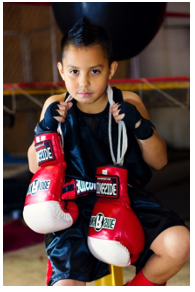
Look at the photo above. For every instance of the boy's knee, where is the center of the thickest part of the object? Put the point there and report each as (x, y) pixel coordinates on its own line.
(174, 244)
(177, 243)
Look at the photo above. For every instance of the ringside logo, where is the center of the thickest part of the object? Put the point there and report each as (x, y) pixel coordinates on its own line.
(44, 152)
(84, 186)
(107, 186)
(100, 222)
(38, 185)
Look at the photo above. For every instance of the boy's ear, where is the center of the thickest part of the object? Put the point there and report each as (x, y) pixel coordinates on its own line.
(113, 68)
(60, 69)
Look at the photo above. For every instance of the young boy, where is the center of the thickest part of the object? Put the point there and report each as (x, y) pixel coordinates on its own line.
(86, 66)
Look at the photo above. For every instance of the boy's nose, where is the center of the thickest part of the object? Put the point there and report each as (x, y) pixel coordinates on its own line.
(83, 81)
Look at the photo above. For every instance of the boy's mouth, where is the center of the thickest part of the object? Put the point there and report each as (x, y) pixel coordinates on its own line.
(85, 94)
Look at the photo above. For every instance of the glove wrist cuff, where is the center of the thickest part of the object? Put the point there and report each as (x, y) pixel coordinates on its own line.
(40, 129)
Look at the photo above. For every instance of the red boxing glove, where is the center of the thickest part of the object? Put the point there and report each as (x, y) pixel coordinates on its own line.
(115, 233)
(44, 210)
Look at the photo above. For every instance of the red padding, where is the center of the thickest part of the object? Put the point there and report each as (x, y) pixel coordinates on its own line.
(17, 235)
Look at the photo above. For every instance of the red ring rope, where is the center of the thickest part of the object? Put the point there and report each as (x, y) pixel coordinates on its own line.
(113, 81)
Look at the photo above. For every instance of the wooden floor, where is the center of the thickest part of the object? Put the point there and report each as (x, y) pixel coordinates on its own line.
(27, 267)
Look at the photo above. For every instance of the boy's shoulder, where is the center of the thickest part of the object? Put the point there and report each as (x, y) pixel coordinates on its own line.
(131, 97)
(134, 99)
(49, 100)
(57, 97)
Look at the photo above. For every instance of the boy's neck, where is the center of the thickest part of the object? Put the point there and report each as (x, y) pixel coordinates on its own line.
(95, 107)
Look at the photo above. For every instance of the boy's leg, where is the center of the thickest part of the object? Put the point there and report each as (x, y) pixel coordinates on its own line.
(69, 282)
(171, 251)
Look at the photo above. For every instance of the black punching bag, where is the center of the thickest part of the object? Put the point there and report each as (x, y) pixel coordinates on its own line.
(131, 25)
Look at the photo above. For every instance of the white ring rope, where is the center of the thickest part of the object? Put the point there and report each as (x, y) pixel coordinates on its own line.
(122, 133)
(59, 129)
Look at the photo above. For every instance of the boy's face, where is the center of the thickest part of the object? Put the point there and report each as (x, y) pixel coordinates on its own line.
(86, 72)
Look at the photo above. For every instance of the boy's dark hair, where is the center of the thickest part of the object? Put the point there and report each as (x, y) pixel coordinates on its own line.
(86, 33)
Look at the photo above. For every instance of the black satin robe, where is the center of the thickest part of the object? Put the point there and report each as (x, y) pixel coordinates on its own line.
(86, 147)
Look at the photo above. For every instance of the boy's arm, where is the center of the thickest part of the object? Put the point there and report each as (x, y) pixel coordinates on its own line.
(31, 154)
(154, 149)
(32, 159)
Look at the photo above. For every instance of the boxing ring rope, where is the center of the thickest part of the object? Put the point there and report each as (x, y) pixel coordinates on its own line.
(30, 90)
(174, 14)
(168, 96)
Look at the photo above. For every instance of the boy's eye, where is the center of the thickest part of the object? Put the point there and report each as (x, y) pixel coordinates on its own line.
(95, 71)
(74, 72)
